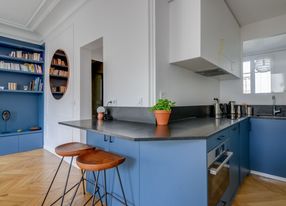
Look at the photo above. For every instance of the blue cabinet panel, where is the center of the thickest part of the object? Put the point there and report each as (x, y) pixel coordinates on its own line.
(244, 149)
(30, 142)
(267, 143)
(8, 145)
(173, 173)
(233, 133)
(99, 141)
(129, 170)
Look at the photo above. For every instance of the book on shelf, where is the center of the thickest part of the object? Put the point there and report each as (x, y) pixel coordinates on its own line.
(33, 68)
(36, 84)
(24, 55)
(59, 61)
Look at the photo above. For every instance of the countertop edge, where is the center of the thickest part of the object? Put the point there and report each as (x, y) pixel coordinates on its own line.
(204, 137)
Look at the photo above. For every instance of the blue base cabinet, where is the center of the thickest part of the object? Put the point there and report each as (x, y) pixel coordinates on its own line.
(10, 144)
(29, 142)
(167, 173)
(244, 149)
(129, 170)
(173, 173)
(268, 146)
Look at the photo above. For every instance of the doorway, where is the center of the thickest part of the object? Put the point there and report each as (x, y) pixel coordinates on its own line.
(96, 85)
(91, 78)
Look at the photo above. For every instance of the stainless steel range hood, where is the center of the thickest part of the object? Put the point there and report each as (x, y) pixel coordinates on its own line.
(205, 68)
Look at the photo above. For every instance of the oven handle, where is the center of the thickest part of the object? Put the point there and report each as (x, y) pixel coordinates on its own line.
(214, 171)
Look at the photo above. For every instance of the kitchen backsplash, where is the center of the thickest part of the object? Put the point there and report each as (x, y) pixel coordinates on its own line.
(141, 114)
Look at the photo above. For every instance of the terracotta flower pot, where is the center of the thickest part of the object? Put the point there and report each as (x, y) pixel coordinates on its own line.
(100, 115)
(162, 117)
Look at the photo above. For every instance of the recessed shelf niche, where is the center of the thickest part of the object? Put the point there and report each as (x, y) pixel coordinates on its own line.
(59, 74)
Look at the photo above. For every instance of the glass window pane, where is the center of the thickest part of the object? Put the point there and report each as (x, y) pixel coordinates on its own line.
(246, 77)
(263, 82)
(246, 67)
(246, 84)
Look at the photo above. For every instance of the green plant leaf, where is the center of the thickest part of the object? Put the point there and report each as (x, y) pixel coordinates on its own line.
(163, 104)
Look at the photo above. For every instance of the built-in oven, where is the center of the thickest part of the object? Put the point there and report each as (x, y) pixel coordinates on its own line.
(218, 173)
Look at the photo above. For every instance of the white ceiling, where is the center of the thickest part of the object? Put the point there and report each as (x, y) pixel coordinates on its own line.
(265, 45)
(25, 14)
(250, 11)
(25, 19)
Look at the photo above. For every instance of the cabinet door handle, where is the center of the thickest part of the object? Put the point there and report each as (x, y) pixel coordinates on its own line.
(220, 138)
(110, 139)
(216, 170)
(105, 138)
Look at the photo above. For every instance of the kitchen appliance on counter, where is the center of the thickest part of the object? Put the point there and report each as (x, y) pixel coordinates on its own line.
(218, 173)
(218, 113)
(232, 109)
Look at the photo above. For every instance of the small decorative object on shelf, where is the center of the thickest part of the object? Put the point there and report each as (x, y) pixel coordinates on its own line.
(162, 111)
(100, 113)
(6, 115)
(59, 74)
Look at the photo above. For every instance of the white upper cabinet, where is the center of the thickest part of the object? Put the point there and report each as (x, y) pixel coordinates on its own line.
(205, 38)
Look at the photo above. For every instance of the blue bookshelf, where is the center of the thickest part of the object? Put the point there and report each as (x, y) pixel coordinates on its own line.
(20, 72)
(25, 100)
(22, 60)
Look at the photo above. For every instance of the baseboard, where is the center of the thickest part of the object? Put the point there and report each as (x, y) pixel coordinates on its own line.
(268, 176)
(52, 150)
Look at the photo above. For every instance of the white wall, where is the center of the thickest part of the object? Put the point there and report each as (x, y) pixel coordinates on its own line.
(265, 28)
(176, 83)
(233, 89)
(63, 109)
(126, 60)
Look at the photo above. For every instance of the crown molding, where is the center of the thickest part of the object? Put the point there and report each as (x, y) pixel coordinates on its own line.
(52, 27)
(38, 17)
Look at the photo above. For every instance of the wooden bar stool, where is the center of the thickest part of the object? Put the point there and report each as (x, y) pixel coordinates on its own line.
(96, 161)
(72, 150)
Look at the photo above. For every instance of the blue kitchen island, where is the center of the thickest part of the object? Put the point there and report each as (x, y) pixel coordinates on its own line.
(168, 165)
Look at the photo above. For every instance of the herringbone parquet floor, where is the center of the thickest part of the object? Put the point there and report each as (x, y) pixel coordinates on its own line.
(259, 191)
(25, 177)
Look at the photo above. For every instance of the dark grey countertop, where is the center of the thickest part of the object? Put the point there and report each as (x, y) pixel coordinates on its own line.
(188, 129)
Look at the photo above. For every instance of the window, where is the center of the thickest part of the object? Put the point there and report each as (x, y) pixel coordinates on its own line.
(257, 76)
(246, 77)
(262, 75)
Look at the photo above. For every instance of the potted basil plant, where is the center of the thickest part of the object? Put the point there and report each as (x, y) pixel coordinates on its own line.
(162, 111)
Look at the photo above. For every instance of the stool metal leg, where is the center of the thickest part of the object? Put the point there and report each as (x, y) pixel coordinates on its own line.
(67, 180)
(52, 181)
(83, 185)
(105, 189)
(117, 171)
(96, 189)
(81, 180)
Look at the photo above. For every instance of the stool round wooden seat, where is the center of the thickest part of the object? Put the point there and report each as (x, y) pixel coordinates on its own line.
(72, 149)
(97, 160)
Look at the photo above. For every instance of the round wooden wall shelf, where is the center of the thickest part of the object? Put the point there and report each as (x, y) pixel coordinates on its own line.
(59, 74)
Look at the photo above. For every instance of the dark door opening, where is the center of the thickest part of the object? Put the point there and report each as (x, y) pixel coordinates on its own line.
(97, 85)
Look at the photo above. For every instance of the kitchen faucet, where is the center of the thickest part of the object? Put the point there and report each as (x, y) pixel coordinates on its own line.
(274, 110)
